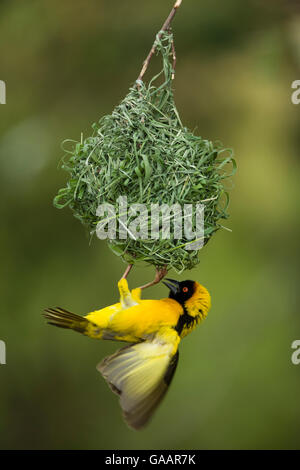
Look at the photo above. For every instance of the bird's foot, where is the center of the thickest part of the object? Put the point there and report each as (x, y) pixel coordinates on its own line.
(160, 274)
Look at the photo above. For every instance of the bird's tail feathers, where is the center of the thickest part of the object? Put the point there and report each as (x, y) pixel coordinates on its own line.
(65, 319)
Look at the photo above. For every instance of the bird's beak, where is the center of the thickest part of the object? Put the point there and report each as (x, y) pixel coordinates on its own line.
(174, 287)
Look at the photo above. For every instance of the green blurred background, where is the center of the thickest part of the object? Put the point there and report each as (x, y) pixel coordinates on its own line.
(65, 64)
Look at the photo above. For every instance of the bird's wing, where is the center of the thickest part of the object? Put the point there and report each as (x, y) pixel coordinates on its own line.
(141, 374)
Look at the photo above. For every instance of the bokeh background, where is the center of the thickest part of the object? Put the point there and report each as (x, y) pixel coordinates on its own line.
(65, 64)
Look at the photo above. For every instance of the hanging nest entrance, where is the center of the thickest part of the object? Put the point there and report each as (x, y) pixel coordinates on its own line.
(143, 151)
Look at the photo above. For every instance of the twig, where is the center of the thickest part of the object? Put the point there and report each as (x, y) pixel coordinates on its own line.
(165, 27)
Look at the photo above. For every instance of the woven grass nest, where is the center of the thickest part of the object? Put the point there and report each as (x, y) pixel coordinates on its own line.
(143, 151)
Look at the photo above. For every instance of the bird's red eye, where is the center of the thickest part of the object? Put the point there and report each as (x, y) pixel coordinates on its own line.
(185, 289)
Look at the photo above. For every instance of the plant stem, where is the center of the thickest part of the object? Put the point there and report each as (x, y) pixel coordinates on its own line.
(165, 27)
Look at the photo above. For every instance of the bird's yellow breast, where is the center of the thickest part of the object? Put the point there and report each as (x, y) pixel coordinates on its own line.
(137, 322)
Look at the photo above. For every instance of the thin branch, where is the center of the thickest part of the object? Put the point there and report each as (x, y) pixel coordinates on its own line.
(165, 27)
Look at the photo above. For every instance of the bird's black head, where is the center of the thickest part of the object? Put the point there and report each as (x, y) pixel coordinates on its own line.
(180, 291)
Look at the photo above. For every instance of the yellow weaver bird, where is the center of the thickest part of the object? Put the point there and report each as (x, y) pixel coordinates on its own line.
(141, 372)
